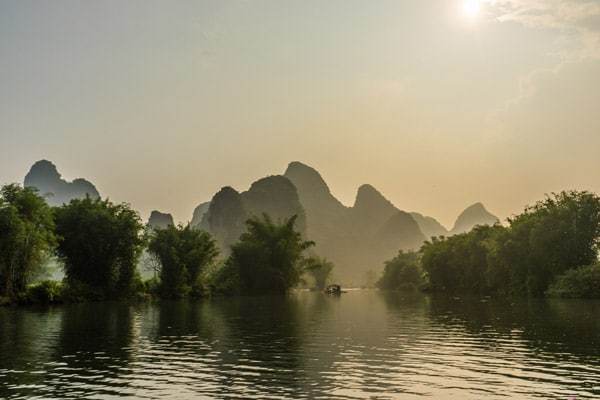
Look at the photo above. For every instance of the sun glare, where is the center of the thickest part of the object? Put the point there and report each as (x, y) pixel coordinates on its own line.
(472, 8)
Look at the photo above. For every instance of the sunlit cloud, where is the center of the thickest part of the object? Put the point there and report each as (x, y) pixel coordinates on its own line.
(577, 24)
(578, 21)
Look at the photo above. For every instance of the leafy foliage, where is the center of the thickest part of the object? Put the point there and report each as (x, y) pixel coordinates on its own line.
(99, 244)
(555, 235)
(402, 272)
(459, 263)
(266, 259)
(183, 254)
(26, 237)
(548, 239)
(44, 292)
(582, 282)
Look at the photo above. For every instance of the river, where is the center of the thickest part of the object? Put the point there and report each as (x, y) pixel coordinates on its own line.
(362, 344)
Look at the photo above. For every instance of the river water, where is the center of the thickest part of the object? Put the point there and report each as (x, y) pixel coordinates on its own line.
(363, 344)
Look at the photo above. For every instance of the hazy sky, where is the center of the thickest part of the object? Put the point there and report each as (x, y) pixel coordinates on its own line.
(438, 104)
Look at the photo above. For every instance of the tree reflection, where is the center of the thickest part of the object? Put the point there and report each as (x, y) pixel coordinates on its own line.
(551, 325)
(93, 349)
(255, 341)
(26, 339)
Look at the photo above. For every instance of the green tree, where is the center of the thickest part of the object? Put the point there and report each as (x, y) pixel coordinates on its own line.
(26, 237)
(547, 240)
(402, 272)
(319, 269)
(460, 262)
(582, 282)
(183, 254)
(267, 258)
(556, 234)
(99, 244)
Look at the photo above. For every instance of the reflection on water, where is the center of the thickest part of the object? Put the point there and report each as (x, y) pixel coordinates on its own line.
(362, 344)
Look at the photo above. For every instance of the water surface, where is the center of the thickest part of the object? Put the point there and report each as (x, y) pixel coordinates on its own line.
(364, 344)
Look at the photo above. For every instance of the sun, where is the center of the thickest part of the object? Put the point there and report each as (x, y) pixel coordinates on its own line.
(472, 8)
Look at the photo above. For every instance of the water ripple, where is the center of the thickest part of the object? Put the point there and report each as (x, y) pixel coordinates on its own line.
(362, 345)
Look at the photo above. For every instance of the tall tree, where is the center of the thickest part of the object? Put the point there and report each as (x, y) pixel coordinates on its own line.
(183, 253)
(26, 237)
(267, 258)
(99, 243)
(556, 234)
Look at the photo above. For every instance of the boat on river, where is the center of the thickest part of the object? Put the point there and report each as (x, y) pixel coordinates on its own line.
(333, 289)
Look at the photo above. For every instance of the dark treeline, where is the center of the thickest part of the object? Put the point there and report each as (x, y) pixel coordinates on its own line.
(99, 245)
(549, 249)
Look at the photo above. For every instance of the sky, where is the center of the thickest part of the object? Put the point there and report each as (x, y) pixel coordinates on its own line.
(438, 104)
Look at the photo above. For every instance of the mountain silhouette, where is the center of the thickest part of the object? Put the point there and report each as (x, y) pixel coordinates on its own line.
(45, 177)
(357, 239)
(276, 196)
(400, 231)
(225, 217)
(429, 226)
(228, 210)
(313, 191)
(371, 210)
(326, 215)
(159, 220)
(472, 216)
(199, 212)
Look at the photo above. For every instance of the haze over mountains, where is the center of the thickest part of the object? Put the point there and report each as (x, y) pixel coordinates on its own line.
(472, 216)
(358, 239)
(228, 210)
(44, 176)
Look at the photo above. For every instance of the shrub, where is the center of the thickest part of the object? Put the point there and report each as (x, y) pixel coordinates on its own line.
(77, 292)
(582, 282)
(402, 272)
(44, 292)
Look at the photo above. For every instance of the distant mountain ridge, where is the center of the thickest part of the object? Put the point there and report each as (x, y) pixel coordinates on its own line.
(358, 239)
(44, 176)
